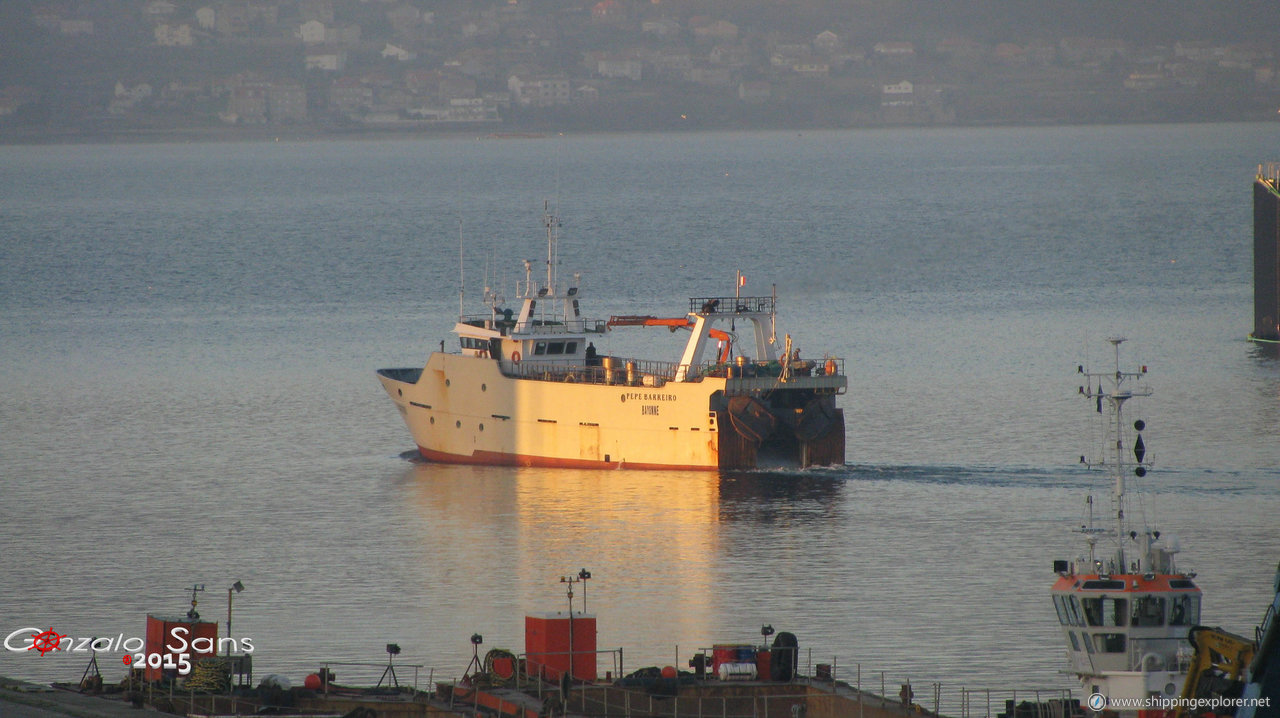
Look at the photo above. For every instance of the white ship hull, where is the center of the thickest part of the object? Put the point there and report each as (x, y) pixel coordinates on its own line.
(465, 409)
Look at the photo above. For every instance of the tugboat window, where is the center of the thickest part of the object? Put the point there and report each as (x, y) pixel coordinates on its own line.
(1063, 617)
(1110, 642)
(1105, 611)
(1068, 614)
(1184, 611)
(1075, 642)
(1148, 611)
(1074, 605)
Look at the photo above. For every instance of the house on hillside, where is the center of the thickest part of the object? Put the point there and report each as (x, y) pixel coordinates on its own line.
(894, 49)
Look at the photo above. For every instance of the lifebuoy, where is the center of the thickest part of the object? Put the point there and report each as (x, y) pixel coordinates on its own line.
(830, 367)
(515, 357)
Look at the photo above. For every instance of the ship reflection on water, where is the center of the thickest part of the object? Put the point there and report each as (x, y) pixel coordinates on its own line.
(685, 558)
(864, 564)
(502, 537)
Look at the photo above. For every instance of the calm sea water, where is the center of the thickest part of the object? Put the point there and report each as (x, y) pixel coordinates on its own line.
(188, 335)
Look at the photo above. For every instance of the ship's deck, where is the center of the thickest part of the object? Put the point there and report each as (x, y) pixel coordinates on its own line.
(749, 378)
(746, 378)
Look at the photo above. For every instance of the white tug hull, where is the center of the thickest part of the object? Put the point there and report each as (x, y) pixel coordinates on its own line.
(526, 388)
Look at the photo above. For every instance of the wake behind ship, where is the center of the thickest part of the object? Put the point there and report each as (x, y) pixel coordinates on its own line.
(526, 387)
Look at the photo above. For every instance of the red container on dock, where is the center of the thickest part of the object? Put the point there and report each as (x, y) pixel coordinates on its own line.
(735, 653)
(552, 638)
(171, 638)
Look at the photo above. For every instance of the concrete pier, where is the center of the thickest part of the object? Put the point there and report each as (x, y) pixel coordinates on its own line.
(19, 699)
(808, 697)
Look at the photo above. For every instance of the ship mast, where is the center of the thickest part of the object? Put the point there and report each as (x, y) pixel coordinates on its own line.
(551, 222)
(1124, 385)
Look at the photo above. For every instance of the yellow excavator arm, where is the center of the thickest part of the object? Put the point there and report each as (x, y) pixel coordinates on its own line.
(1218, 668)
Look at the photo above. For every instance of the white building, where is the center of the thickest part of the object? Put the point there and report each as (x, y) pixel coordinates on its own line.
(174, 35)
(540, 91)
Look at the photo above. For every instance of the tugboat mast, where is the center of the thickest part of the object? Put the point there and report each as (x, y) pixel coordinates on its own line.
(1116, 395)
(1125, 613)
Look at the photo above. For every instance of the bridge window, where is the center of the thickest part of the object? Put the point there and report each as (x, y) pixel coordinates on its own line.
(539, 348)
(1104, 611)
(1075, 642)
(1109, 642)
(571, 348)
(1068, 615)
(1184, 610)
(1074, 608)
(555, 348)
(1148, 611)
(1063, 617)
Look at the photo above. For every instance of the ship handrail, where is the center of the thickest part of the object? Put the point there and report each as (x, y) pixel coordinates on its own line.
(1260, 631)
(600, 374)
(732, 305)
(648, 372)
(1269, 175)
(580, 325)
(1139, 647)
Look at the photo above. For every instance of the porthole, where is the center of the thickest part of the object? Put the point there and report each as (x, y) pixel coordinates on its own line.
(484, 387)
(482, 427)
(458, 424)
(446, 382)
(399, 392)
(433, 420)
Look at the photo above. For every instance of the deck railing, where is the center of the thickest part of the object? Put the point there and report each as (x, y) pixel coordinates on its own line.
(579, 325)
(634, 372)
(650, 373)
(1269, 175)
(860, 693)
(732, 305)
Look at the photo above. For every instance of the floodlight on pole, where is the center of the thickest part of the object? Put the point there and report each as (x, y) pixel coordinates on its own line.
(233, 589)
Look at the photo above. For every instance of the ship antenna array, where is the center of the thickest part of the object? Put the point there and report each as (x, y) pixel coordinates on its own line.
(1124, 385)
(191, 614)
(462, 277)
(552, 223)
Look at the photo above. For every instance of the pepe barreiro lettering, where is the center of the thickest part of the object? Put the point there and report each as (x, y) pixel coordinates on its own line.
(647, 396)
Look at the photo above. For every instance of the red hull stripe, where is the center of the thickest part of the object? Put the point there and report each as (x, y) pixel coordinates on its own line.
(491, 458)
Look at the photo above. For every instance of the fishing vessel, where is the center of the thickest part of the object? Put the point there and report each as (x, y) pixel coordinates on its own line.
(526, 385)
(1124, 606)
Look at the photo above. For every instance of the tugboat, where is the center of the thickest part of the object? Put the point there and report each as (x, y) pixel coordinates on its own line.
(526, 387)
(1124, 606)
